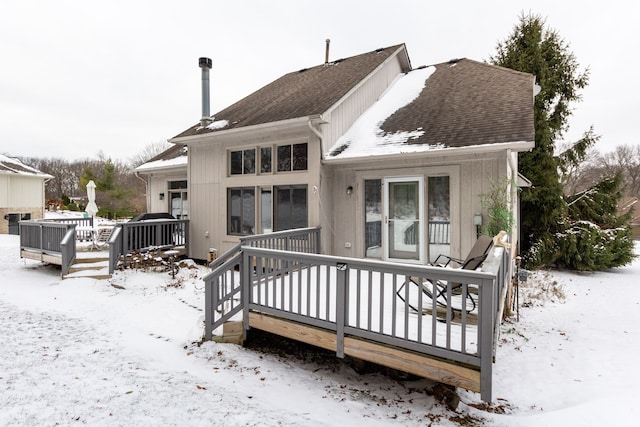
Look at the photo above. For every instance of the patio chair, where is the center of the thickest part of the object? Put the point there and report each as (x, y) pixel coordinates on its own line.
(476, 255)
(438, 290)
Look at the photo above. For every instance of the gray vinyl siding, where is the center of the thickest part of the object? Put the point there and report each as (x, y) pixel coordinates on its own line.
(342, 117)
(470, 178)
(209, 180)
(158, 183)
(206, 198)
(17, 190)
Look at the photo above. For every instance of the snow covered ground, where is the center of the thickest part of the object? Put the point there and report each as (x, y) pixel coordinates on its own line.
(124, 352)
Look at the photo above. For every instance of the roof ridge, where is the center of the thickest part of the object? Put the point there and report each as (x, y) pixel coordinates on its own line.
(339, 60)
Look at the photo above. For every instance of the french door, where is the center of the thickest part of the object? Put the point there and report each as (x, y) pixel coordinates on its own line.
(403, 226)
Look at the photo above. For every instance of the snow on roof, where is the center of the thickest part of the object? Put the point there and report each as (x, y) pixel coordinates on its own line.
(218, 124)
(366, 138)
(460, 104)
(163, 163)
(12, 166)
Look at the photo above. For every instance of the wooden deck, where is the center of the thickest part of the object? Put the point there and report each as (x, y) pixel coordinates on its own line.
(50, 258)
(364, 309)
(412, 362)
(61, 243)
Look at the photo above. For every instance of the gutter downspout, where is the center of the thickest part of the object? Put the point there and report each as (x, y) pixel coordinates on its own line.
(146, 190)
(513, 183)
(316, 132)
(44, 195)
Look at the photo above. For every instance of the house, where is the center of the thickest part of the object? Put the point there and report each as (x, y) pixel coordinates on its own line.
(21, 193)
(165, 176)
(389, 160)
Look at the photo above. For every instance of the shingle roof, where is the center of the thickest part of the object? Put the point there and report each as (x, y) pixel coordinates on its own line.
(465, 102)
(174, 156)
(170, 153)
(302, 93)
(13, 166)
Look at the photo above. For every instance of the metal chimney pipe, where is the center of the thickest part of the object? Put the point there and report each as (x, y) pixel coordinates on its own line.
(205, 64)
(326, 52)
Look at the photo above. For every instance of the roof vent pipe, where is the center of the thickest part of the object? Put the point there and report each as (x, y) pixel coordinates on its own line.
(205, 64)
(326, 52)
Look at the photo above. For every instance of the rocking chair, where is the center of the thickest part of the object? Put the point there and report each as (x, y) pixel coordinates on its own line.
(438, 290)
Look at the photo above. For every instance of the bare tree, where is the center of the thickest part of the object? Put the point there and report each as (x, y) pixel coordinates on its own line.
(626, 159)
(579, 176)
(148, 152)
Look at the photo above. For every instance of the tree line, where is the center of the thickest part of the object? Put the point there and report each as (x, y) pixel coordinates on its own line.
(120, 193)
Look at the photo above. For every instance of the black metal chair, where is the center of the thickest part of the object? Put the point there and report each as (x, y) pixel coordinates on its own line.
(439, 290)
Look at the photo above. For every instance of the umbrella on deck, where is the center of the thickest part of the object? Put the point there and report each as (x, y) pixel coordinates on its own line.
(91, 209)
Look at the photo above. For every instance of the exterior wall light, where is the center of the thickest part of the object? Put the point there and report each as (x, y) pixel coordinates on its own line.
(161, 196)
(477, 221)
(349, 190)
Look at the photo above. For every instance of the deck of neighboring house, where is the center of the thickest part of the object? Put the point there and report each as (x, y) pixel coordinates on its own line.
(83, 250)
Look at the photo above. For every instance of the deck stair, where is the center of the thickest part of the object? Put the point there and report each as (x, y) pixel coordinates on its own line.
(90, 264)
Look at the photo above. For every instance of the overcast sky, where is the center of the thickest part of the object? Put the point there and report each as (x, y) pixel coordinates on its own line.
(80, 77)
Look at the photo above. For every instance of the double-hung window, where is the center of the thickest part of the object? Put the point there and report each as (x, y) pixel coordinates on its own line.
(292, 157)
(242, 162)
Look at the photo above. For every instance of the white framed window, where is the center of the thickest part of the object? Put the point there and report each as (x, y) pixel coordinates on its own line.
(276, 208)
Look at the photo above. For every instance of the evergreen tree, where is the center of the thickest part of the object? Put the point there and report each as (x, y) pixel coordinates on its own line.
(533, 48)
(107, 183)
(596, 236)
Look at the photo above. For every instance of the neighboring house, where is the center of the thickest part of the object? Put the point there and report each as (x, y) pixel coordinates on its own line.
(21, 193)
(166, 178)
(388, 160)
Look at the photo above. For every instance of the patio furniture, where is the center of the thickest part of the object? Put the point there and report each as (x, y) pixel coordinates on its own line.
(438, 289)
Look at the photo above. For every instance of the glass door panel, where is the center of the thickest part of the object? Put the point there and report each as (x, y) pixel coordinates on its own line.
(404, 219)
(439, 216)
(373, 218)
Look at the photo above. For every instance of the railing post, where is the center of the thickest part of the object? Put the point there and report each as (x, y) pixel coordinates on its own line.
(125, 240)
(342, 272)
(209, 306)
(40, 226)
(245, 290)
(485, 331)
(185, 227)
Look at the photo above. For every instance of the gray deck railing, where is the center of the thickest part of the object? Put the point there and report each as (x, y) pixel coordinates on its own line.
(48, 238)
(439, 233)
(222, 286)
(115, 248)
(306, 240)
(360, 298)
(86, 223)
(146, 235)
